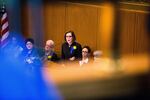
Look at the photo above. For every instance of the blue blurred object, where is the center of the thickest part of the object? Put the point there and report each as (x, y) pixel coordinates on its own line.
(15, 83)
(14, 46)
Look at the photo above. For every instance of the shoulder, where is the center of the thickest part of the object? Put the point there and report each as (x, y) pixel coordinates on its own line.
(54, 53)
(65, 44)
(35, 51)
(78, 44)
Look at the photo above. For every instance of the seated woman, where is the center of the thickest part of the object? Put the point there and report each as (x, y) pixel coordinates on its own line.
(85, 55)
(49, 54)
(31, 56)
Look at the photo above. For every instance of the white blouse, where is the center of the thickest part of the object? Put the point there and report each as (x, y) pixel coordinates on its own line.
(83, 61)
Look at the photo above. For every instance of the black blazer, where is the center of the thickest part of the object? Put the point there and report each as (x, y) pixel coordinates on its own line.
(50, 57)
(75, 50)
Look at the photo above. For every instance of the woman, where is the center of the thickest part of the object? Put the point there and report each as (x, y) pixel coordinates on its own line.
(71, 50)
(85, 55)
(31, 56)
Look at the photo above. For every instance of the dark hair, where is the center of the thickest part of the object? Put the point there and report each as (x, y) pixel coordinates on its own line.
(73, 35)
(89, 49)
(29, 40)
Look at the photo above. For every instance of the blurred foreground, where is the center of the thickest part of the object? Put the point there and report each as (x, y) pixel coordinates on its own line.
(126, 78)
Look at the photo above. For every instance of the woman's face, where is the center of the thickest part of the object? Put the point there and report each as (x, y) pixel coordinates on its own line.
(84, 52)
(29, 45)
(69, 38)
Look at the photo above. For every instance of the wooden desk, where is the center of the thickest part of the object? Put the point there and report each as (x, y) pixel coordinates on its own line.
(108, 79)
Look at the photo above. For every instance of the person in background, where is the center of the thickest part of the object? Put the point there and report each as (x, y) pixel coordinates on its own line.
(97, 55)
(49, 54)
(13, 48)
(31, 56)
(16, 47)
(71, 50)
(86, 51)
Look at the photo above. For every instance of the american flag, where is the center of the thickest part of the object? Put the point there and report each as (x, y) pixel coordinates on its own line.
(4, 25)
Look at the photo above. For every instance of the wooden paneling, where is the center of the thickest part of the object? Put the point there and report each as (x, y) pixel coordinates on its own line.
(126, 31)
(83, 20)
(105, 28)
(54, 23)
(88, 22)
(134, 35)
(141, 33)
(24, 21)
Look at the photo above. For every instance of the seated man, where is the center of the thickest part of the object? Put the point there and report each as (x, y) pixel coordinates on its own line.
(50, 55)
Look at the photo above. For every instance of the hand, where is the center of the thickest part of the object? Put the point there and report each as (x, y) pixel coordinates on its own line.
(29, 61)
(72, 58)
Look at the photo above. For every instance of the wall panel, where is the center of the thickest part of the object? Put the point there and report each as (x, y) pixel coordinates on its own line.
(86, 21)
(134, 35)
(83, 20)
(54, 19)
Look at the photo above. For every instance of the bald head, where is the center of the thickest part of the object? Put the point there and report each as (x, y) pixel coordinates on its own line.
(49, 45)
(50, 42)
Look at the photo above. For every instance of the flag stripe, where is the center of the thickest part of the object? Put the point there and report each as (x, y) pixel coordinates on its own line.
(4, 43)
(4, 31)
(4, 21)
(5, 36)
(4, 16)
(4, 26)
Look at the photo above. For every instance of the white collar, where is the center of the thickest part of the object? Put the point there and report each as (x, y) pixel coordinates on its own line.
(85, 61)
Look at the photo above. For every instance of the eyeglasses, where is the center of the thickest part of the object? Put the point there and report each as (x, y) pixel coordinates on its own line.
(85, 51)
(29, 43)
(68, 36)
